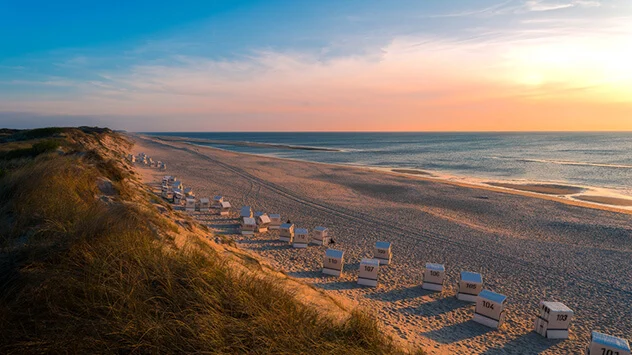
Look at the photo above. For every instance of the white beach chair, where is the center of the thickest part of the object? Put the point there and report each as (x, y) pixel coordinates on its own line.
(320, 236)
(225, 210)
(248, 226)
(554, 320)
(383, 252)
(275, 221)
(333, 262)
(433, 277)
(217, 201)
(263, 222)
(301, 238)
(368, 274)
(470, 285)
(189, 205)
(178, 196)
(205, 205)
(246, 212)
(286, 232)
(602, 344)
(490, 309)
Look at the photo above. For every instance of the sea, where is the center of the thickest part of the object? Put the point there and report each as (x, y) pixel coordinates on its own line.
(596, 160)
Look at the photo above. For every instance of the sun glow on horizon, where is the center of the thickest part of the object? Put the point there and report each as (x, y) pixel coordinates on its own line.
(516, 65)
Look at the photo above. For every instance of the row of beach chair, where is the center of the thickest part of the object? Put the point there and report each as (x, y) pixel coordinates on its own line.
(147, 161)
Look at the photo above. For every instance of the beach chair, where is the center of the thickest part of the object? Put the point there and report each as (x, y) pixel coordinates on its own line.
(217, 201)
(246, 212)
(188, 192)
(470, 285)
(490, 309)
(320, 236)
(225, 210)
(275, 221)
(333, 262)
(286, 232)
(301, 238)
(433, 277)
(554, 320)
(383, 252)
(248, 226)
(263, 222)
(368, 274)
(165, 181)
(604, 344)
(178, 197)
(205, 205)
(189, 205)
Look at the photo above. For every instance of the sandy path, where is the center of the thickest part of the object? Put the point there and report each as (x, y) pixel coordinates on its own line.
(526, 248)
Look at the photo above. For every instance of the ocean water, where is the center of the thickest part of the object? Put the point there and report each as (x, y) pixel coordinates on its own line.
(602, 160)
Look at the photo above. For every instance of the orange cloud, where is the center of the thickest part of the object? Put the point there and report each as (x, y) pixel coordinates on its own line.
(411, 85)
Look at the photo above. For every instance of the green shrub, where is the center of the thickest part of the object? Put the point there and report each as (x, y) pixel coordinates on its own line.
(40, 132)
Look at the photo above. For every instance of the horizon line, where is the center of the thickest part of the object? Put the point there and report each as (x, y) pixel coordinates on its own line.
(596, 131)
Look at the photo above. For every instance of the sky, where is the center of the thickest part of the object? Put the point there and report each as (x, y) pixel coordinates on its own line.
(327, 65)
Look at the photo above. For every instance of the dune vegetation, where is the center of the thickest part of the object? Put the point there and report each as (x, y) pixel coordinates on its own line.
(88, 264)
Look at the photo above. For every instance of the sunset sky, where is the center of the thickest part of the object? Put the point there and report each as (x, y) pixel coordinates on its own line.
(357, 65)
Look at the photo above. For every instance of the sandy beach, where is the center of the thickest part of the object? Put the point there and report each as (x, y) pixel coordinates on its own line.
(527, 248)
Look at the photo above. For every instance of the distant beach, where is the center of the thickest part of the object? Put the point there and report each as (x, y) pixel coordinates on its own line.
(592, 168)
(530, 249)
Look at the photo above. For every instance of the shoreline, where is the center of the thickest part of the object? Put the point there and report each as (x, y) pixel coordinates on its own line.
(244, 144)
(618, 202)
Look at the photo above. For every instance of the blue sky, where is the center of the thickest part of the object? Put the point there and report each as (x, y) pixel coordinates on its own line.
(306, 65)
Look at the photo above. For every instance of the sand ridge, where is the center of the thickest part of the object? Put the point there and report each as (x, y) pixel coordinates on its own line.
(532, 248)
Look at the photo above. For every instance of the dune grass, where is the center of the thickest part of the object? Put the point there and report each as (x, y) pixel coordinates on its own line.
(83, 275)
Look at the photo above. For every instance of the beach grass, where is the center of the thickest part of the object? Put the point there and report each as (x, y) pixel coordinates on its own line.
(85, 269)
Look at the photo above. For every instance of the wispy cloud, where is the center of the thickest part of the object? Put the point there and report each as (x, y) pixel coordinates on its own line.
(485, 68)
(520, 7)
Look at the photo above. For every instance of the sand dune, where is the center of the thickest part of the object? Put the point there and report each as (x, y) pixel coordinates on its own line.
(527, 248)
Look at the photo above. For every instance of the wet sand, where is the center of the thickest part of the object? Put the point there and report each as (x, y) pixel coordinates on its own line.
(526, 248)
(411, 171)
(606, 200)
(547, 189)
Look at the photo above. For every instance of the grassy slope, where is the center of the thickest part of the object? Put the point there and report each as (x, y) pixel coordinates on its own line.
(88, 265)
